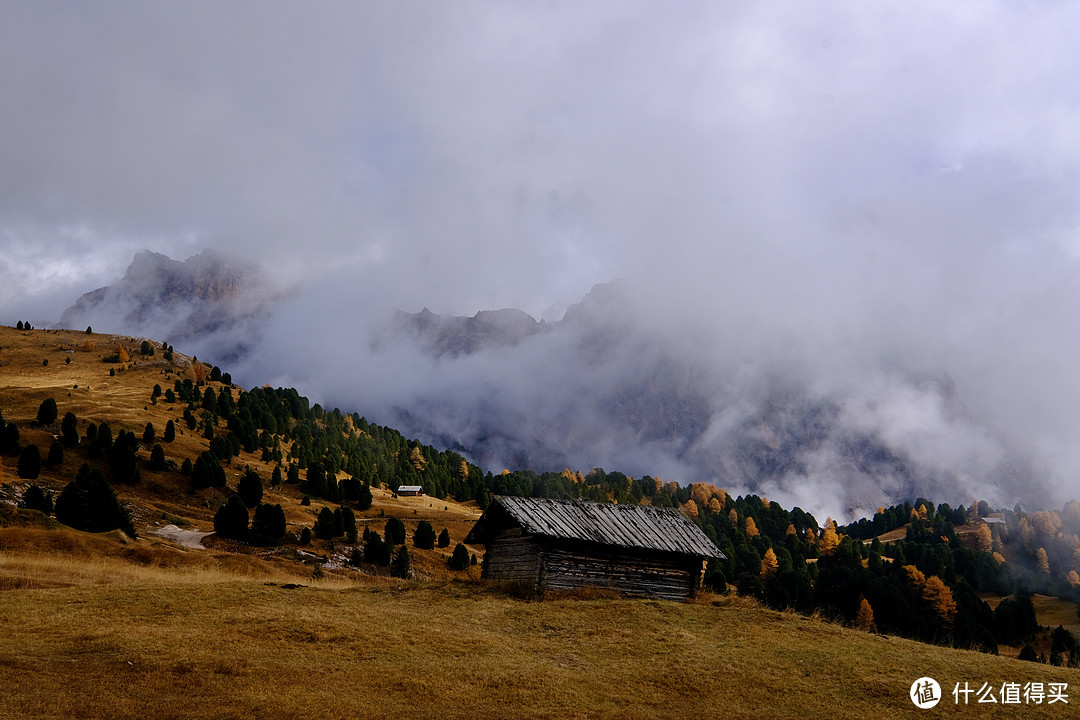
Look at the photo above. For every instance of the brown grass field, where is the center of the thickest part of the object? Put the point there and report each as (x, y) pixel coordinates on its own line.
(102, 626)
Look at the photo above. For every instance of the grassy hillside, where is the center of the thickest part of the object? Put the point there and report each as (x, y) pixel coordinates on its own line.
(173, 625)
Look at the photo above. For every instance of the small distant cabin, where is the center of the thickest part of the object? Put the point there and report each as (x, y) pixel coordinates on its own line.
(409, 490)
(566, 544)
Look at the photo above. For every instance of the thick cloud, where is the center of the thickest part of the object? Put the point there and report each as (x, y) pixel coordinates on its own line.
(838, 189)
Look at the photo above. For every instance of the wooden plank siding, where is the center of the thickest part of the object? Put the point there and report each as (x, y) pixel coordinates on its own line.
(562, 545)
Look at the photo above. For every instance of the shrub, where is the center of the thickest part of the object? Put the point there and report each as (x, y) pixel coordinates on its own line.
(37, 499)
(46, 414)
(88, 503)
(146, 348)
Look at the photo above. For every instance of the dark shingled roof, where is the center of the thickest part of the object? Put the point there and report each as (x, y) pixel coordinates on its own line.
(626, 526)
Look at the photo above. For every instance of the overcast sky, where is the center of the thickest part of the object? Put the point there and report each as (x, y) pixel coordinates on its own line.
(847, 182)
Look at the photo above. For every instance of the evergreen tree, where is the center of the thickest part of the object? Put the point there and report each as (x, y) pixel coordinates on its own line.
(170, 432)
(149, 434)
(399, 566)
(231, 519)
(56, 454)
(157, 459)
(268, 526)
(47, 411)
(88, 503)
(37, 499)
(375, 550)
(444, 538)
(207, 472)
(394, 532)
(275, 478)
(325, 527)
(460, 559)
(250, 488)
(69, 430)
(424, 537)
(122, 459)
(364, 499)
(29, 463)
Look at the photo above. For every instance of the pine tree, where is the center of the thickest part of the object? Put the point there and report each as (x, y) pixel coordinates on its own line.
(37, 499)
(250, 488)
(231, 519)
(394, 532)
(69, 430)
(56, 454)
(29, 463)
(325, 527)
(268, 526)
(444, 538)
(88, 503)
(170, 432)
(460, 559)
(424, 537)
(149, 434)
(157, 459)
(399, 566)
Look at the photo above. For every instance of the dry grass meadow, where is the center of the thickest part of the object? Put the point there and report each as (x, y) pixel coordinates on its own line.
(102, 626)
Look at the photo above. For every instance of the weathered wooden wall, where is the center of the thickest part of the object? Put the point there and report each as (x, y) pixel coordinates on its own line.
(514, 555)
(666, 577)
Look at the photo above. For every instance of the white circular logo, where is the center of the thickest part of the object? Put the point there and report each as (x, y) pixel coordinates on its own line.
(925, 693)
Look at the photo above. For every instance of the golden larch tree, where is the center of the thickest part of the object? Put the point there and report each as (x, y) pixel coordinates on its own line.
(751, 527)
(1073, 577)
(714, 505)
(463, 470)
(830, 540)
(791, 529)
(733, 517)
(939, 598)
(769, 564)
(984, 541)
(691, 509)
(1042, 562)
(864, 619)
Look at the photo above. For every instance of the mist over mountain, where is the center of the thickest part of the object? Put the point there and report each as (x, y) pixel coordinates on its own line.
(611, 384)
(212, 302)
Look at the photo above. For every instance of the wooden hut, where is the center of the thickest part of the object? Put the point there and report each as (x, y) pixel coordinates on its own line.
(565, 544)
(409, 490)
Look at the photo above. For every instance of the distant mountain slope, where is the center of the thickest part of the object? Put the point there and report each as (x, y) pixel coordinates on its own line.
(598, 388)
(212, 302)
